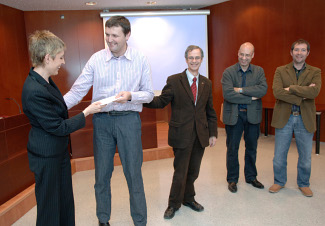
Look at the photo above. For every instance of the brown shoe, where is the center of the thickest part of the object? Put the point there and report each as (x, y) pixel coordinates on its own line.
(275, 188)
(306, 191)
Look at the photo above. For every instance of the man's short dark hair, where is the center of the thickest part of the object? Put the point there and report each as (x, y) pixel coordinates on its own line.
(191, 48)
(300, 41)
(119, 21)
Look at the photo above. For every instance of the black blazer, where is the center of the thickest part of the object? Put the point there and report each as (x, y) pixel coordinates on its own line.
(185, 113)
(43, 104)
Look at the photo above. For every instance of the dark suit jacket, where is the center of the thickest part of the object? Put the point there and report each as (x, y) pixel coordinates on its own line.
(43, 104)
(185, 113)
(299, 94)
(256, 86)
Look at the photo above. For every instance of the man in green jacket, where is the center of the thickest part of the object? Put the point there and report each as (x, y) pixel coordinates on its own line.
(295, 87)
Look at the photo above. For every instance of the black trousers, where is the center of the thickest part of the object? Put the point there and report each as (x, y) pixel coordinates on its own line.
(53, 189)
(234, 135)
(187, 164)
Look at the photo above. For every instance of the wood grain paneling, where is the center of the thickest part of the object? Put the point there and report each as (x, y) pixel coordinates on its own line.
(17, 139)
(3, 147)
(149, 128)
(163, 115)
(15, 175)
(82, 143)
(13, 58)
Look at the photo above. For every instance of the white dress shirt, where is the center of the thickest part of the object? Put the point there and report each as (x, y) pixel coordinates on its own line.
(110, 75)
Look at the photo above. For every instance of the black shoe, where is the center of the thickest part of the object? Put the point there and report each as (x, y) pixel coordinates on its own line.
(194, 206)
(256, 184)
(103, 224)
(170, 212)
(232, 187)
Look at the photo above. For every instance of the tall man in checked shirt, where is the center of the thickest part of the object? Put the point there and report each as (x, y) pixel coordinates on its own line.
(243, 86)
(125, 73)
(295, 87)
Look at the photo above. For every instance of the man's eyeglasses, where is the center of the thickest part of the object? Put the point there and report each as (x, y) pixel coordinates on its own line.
(192, 58)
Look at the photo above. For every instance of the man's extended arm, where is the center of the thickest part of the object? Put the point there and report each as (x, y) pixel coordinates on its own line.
(80, 87)
(165, 97)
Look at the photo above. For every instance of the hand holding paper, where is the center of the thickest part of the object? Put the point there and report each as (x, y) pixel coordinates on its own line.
(123, 97)
(108, 100)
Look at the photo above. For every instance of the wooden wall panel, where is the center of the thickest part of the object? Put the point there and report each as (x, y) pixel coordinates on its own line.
(13, 58)
(272, 26)
(82, 143)
(17, 138)
(148, 128)
(163, 115)
(15, 175)
(3, 146)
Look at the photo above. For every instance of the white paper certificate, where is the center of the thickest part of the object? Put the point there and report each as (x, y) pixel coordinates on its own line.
(108, 100)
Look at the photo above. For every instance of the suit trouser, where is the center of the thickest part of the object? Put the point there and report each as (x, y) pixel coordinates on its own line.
(53, 189)
(123, 131)
(234, 135)
(187, 164)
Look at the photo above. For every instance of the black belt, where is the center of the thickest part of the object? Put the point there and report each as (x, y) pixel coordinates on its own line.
(242, 109)
(295, 113)
(118, 113)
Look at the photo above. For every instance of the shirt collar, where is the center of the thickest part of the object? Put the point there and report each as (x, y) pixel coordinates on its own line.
(303, 67)
(127, 54)
(240, 70)
(190, 76)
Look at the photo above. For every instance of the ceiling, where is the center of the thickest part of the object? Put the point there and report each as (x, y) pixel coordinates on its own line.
(39, 5)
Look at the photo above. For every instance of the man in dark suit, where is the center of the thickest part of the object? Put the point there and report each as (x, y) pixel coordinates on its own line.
(243, 86)
(193, 126)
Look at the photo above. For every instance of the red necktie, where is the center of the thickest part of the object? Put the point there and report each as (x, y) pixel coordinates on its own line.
(194, 89)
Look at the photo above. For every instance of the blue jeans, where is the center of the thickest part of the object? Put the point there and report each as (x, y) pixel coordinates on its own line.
(123, 131)
(234, 135)
(304, 141)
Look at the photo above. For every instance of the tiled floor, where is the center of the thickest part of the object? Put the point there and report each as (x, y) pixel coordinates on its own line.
(249, 206)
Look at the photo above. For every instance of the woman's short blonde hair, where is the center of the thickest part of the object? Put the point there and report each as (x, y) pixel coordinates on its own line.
(42, 43)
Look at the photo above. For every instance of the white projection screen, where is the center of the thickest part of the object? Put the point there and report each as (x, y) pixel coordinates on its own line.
(164, 39)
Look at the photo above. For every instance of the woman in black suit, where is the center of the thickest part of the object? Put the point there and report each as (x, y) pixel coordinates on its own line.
(48, 138)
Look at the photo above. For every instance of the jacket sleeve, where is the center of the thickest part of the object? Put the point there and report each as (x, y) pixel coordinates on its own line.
(229, 93)
(280, 93)
(165, 97)
(308, 92)
(260, 88)
(42, 108)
